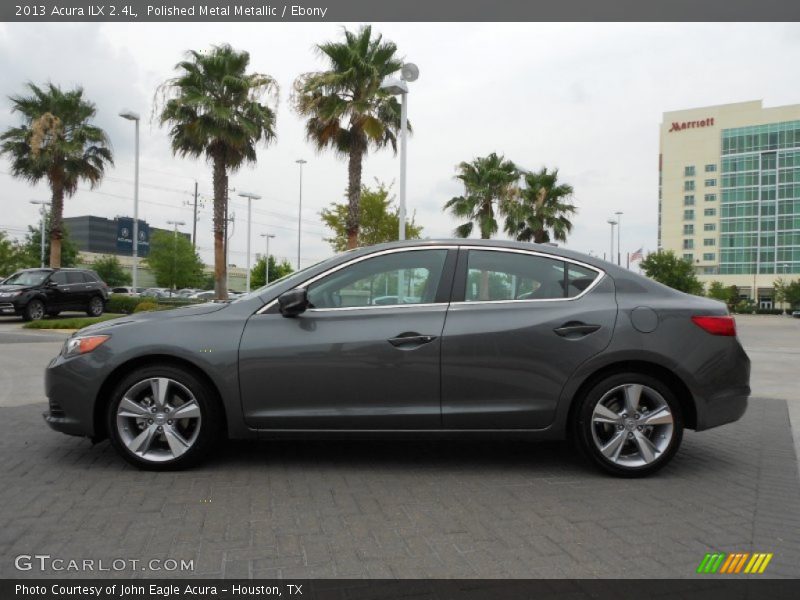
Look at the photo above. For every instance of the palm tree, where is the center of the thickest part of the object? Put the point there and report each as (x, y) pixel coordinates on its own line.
(214, 109)
(542, 211)
(489, 188)
(58, 143)
(346, 108)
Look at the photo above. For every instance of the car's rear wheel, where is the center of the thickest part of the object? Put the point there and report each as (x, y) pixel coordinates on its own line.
(163, 418)
(629, 424)
(33, 311)
(96, 306)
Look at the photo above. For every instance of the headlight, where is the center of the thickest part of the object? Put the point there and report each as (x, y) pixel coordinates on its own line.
(10, 294)
(82, 345)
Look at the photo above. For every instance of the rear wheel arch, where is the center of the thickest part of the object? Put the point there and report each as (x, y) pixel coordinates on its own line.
(104, 394)
(666, 376)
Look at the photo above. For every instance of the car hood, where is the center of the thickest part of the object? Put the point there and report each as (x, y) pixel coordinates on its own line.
(14, 288)
(158, 315)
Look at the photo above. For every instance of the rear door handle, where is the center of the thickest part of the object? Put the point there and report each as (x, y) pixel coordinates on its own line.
(411, 339)
(574, 329)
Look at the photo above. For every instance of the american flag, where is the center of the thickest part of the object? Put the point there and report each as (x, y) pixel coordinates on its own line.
(637, 255)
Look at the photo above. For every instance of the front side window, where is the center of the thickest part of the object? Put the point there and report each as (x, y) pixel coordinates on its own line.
(501, 276)
(410, 277)
(27, 278)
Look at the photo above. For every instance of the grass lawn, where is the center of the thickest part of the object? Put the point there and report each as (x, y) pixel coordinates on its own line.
(68, 322)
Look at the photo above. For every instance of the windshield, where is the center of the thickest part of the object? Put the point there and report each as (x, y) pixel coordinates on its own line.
(27, 278)
(298, 274)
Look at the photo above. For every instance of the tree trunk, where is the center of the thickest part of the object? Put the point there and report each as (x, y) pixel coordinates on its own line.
(220, 201)
(540, 236)
(56, 222)
(483, 292)
(353, 197)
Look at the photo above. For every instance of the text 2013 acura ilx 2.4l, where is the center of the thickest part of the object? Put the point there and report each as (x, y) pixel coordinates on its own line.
(423, 338)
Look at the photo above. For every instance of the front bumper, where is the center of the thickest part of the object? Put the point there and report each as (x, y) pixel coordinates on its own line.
(72, 387)
(8, 308)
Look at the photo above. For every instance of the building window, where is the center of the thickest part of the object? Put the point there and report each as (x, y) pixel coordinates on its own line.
(710, 197)
(688, 186)
(711, 168)
(688, 171)
(688, 244)
(709, 242)
(709, 227)
(709, 256)
(688, 230)
(711, 182)
(688, 200)
(688, 257)
(709, 212)
(688, 215)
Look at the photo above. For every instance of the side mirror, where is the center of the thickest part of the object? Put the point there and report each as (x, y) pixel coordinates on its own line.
(51, 283)
(293, 302)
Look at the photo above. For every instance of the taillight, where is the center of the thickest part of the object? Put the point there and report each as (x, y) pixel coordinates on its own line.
(716, 325)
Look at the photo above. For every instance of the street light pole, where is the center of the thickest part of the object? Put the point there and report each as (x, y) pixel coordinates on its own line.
(42, 214)
(250, 197)
(300, 162)
(612, 222)
(619, 237)
(132, 116)
(267, 237)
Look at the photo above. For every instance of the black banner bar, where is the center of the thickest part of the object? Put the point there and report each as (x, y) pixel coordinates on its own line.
(398, 10)
(727, 588)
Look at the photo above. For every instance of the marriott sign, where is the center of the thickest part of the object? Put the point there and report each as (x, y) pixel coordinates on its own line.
(681, 125)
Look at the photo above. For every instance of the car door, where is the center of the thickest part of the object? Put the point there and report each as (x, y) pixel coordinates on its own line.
(79, 290)
(364, 355)
(519, 324)
(57, 291)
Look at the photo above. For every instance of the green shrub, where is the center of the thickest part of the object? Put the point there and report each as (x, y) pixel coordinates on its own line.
(118, 303)
(769, 311)
(145, 306)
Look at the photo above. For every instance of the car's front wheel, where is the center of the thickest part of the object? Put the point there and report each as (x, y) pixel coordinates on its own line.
(96, 306)
(163, 418)
(629, 424)
(33, 311)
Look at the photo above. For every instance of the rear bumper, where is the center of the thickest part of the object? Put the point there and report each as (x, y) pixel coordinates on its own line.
(726, 407)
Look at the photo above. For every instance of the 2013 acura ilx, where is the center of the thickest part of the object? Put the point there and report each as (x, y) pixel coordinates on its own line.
(423, 338)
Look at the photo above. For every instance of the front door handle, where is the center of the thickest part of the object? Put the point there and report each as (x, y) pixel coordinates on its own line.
(575, 329)
(411, 339)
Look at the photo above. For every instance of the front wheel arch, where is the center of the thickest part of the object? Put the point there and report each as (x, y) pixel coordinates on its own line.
(667, 377)
(104, 394)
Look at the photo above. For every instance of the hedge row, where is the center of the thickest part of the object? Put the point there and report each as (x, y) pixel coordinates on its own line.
(129, 304)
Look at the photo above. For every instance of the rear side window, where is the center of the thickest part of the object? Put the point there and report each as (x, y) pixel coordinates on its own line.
(59, 278)
(75, 277)
(91, 277)
(500, 276)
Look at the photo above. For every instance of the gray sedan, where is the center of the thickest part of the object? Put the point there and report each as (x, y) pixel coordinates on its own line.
(455, 337)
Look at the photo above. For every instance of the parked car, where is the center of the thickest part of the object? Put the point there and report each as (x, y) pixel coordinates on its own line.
(34, 293)
(506, 338)
(796, 314)
(127, 291)
(205, 295)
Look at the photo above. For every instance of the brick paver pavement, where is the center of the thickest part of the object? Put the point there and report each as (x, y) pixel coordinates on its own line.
(403, 509)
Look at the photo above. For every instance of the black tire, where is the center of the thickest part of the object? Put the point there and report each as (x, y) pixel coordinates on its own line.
(96, 306)
(33, 311)
(611, 390)
(210, 423)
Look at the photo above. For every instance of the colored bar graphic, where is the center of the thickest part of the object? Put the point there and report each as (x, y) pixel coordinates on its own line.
(734, 563)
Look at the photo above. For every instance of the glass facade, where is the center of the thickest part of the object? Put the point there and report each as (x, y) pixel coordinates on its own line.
(760, 199)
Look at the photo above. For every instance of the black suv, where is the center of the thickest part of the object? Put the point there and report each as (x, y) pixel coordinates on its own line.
(34, 293)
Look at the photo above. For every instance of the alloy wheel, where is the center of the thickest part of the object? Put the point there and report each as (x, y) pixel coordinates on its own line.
(632, 425)
(158, 419)
(96, 307)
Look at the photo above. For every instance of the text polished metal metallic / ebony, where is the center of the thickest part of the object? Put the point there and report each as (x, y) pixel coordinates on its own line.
(422, 338)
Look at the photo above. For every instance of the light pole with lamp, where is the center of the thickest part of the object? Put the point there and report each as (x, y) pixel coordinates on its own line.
(300, 162)
(619, 237)
(611, 222)
(267, 237)
(132, 116)
(42, 213)
(398, 87)
(250, 197)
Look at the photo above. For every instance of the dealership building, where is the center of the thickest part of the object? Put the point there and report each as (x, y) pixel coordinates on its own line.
(729, 193)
